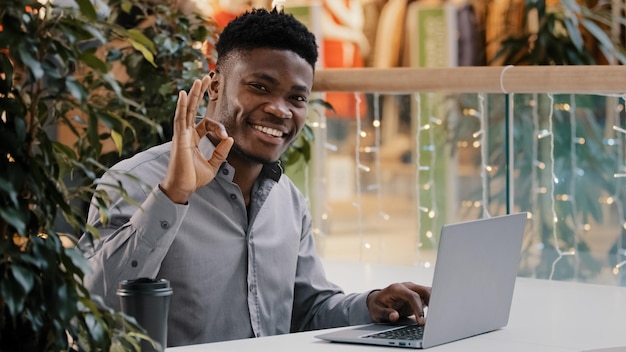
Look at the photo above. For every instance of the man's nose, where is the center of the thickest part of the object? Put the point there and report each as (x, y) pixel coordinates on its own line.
(279, 108)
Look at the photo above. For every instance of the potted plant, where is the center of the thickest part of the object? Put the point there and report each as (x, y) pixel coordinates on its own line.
(56, 69)
(110, 77)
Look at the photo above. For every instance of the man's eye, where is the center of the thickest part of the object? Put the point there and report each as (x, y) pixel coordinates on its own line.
(300, 98)
(259, 86)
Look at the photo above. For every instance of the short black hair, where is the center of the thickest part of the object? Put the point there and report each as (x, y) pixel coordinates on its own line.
(260, 28)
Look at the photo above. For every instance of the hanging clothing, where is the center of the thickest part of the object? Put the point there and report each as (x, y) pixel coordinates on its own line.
(342, 53)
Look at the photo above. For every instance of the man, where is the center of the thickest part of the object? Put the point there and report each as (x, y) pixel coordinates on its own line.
(219, 221)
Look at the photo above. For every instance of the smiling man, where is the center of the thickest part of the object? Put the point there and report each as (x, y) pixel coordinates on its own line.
(218, 219)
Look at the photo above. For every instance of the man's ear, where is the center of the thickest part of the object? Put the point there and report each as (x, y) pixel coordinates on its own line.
(214, 85)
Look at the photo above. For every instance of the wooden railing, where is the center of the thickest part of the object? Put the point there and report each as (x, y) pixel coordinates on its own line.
(484, 79)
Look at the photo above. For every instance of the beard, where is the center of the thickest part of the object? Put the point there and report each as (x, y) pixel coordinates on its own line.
(254, 159)
(229, 121)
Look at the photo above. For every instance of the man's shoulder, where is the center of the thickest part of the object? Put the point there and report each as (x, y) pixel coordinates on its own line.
(286, 184)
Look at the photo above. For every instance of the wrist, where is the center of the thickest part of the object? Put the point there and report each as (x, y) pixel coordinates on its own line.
(176, 197)
(371, 297)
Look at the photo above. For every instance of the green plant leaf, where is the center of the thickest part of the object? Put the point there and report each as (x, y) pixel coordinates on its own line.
(126, 6)
(31, 63)
(87, 9)
(571, 23)
(64, 150)
(603, 38)
(92, 131)
(24, 277)
(323, 103)
(12, 297)
(98, 37)
(15, 218)
(76, 89)
(112, 83)
(93, 61)
(140, 38)
(7, 79)
(118, 140)
(147, 54)
(572, 6)
(81, 266)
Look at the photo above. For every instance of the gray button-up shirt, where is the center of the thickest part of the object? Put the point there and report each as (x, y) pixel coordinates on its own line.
(235, 272)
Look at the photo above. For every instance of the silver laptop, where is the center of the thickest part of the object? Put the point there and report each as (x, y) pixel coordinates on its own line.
(472, 288)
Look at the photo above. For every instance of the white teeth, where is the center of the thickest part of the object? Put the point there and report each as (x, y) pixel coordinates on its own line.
(270, 131)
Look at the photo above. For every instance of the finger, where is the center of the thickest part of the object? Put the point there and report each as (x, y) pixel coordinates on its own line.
(390, 315)
(398, 300)
(207, 125)
(204, 85)
(422, 291)
(206, 80)
(200, 87)
(221, 152)
(192, 104)
(415, 300)
(382, 306)
(180, 124)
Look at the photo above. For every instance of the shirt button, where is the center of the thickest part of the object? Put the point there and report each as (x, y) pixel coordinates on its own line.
(225, 171)
(233, 196)
(133, 263)
(165, 225)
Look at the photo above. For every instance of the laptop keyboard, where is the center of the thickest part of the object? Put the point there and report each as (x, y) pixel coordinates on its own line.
(409, 332)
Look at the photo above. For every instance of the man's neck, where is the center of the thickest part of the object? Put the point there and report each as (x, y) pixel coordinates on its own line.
(246, 171)
(246, 174)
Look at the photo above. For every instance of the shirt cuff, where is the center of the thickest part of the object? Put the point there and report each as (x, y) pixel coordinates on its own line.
(359, 313)
(158, 220)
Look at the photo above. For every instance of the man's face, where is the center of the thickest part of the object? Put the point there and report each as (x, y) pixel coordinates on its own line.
(262, 101)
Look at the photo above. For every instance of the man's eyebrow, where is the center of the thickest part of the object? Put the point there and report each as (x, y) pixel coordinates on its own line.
(273, 80)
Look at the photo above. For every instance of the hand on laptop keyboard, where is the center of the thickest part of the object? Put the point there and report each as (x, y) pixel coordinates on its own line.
(397, 301)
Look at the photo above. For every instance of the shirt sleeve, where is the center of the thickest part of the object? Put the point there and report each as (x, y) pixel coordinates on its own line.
(318, 303)
(134, 240)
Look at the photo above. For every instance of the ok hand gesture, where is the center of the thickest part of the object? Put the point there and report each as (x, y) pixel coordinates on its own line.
(188, 170)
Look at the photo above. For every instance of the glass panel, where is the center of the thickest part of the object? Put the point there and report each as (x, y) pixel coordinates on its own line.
(387, 178)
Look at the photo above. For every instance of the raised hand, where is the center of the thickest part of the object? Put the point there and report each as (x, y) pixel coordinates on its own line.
(188, 170)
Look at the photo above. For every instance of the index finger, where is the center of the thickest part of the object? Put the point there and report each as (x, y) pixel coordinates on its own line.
(418, 297)
(207, 125)
(195, 95)
(423, 291)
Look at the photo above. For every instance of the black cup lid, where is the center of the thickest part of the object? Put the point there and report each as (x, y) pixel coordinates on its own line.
(144, 283)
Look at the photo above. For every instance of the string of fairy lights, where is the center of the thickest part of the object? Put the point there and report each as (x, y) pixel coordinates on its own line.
(358, 169)
(485, 168)
(549, 133)
(377, 165)
(543, 175)
(425, 137)
(616, 198)
(418, 154)
(361, 167)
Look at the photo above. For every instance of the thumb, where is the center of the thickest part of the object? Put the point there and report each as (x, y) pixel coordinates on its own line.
(221, 152)
(386, 315)
(392, 315)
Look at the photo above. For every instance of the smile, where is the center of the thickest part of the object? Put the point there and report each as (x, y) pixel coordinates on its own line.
(269, 131)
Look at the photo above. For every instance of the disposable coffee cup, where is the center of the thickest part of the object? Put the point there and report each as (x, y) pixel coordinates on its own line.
(148, 301)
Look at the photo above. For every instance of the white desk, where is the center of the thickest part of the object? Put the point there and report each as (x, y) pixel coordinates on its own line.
(545, 316)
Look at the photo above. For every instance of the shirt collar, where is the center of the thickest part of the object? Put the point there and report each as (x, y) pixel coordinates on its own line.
(272, 171)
